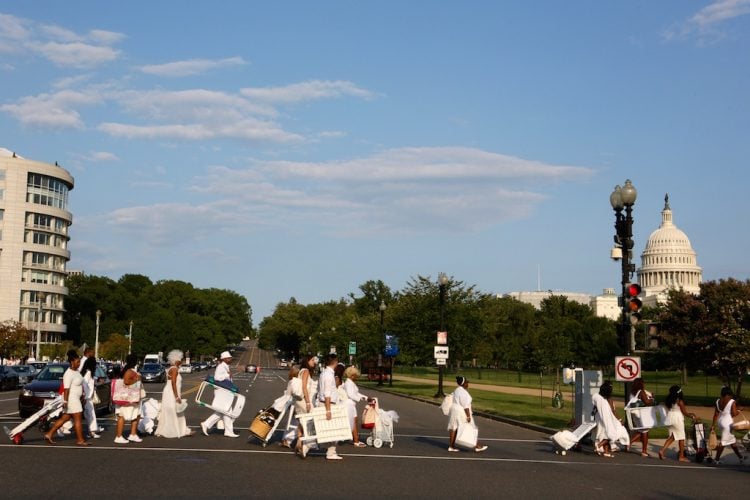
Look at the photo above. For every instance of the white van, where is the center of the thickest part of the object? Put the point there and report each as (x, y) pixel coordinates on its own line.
(152, 358)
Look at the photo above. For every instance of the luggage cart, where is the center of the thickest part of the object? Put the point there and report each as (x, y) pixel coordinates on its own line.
(267, 421)
(49, 412)
(565, 440)
(225, 401)
(320, 430)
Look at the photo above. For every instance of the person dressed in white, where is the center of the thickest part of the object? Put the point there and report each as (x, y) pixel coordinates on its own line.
(88, 371)
(221, 374)
(303, 403)
(328, 396)
(609, 429)
(353, 397)
(172, 423)
(73, 391)
(724, 413)
(461, 412)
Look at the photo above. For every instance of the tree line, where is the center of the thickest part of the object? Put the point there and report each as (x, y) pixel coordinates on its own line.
(165, 315)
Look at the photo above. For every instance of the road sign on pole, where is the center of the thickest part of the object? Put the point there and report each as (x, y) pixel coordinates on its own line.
(352, 348)
(441, 352)
(627, 368)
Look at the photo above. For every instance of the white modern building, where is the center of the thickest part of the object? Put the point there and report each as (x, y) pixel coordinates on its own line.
(34, 225)
(668, 262)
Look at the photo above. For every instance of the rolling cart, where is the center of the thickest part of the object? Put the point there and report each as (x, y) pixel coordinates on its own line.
(49, 412)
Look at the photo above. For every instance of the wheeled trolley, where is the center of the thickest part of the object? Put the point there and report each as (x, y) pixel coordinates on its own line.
(50, 411)
(267, 421)
(320, 430)
(382, 427)
(219, 399)
(565, 440)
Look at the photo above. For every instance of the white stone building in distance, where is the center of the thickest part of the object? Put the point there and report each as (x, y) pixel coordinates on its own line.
(34, 224)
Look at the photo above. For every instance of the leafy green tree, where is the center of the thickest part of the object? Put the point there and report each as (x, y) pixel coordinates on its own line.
(14, 338)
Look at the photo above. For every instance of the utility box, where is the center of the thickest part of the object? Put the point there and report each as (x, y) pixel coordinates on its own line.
(588, 383)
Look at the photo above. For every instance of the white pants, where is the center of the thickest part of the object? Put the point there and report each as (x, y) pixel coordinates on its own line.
(214, 419)
(89, 414)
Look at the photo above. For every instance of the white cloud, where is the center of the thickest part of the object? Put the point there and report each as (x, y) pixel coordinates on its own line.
(307, 91)
(101, 157)
(55, 110)
(248, 129)
(58, 44)
(705, 24)
(191, 66)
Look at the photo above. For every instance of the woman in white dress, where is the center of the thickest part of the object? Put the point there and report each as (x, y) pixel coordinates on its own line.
(172, 424)
(72, 395)
(676, 413)
(724, 413)
(609, 429)
(353, 396)
(88, 371)
(461, 412)
(309, 391)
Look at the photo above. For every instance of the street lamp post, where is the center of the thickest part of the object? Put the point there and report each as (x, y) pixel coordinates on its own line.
(130, 337)
(96, 341)
(382, 343)
(624, 198)
(40, 300)
(442, 286)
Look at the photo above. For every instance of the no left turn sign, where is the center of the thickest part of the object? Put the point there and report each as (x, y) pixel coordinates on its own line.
(627, 368)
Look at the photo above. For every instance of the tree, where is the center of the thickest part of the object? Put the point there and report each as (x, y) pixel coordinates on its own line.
(14, 338)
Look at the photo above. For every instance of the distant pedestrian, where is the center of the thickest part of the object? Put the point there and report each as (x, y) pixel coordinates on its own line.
(724, 412)
(328, 396)
(639, 397)
(609, 429)
(72, 394)
(172, 422)
(676, 413)
(130, 412)
(461, 412)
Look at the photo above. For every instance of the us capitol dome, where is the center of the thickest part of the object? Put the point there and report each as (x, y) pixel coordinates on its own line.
(668, 262)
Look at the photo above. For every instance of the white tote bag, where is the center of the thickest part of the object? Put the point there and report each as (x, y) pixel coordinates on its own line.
(467, 435)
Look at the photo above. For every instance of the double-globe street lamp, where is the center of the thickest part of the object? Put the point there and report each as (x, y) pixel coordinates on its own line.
(96, 340)
(623, 198)
(442, 286)
(382, 343)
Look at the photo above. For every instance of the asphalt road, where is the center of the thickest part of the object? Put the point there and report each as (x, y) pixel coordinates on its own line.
(518, 464)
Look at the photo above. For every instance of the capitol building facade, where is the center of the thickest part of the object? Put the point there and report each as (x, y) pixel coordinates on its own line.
(667, 262)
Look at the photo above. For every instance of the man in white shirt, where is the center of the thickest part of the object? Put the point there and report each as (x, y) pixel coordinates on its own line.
(220, 375)
(328, 395)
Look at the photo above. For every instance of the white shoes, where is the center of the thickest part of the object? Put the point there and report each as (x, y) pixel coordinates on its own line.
(334, 457)
(232, 435)
(204, 429)
(94, 435)
(480, 449)
(134, 438)
(452, 449)
(121, 440)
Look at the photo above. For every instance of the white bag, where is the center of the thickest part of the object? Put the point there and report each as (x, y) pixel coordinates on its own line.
(446, 404)
(297, 389)
(467, 435)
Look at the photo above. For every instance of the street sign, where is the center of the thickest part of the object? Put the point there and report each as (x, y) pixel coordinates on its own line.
(441, 361)
(391, 345)
(627, 368)
(352, 348)
(442, 338)
(441, 352)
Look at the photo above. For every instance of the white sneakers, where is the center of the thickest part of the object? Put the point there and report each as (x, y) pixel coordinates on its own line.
(204, 429)
(452, 449)
(334, 457)
(121, 440)
(135, 438)
(232, 435)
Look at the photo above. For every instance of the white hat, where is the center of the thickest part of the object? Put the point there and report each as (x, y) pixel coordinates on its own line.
(225, 355)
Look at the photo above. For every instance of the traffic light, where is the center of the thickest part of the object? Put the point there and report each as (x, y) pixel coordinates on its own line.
(634, 303)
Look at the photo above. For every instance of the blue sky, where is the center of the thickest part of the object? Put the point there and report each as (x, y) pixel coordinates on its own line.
(299, 149)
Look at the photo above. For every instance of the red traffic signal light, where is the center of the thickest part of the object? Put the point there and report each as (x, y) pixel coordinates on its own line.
(634, 303)
(634, 290)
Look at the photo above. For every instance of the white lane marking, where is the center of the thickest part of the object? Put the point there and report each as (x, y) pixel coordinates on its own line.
(476, 458)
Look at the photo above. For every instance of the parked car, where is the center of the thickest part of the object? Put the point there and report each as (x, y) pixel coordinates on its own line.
(39, 365)
(8, 378)
(26, 373)
(153, 372)
(47, 385)
(186, 369)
